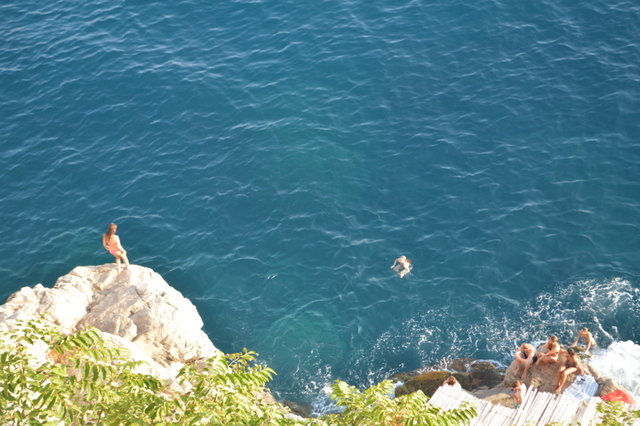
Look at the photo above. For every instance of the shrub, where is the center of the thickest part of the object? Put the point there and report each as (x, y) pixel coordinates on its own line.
(82, 379)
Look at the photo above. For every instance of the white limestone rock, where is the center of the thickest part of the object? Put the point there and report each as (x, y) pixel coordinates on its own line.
(136, 305)
(150, 366)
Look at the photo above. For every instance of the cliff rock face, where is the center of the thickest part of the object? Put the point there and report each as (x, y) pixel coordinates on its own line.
(135, 309)
(135, 306)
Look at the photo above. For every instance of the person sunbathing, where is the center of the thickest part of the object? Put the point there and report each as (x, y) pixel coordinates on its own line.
(551, 355)
(570, 365)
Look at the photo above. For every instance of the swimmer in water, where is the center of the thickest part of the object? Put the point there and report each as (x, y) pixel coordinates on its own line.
(402, 266)
(111, 242)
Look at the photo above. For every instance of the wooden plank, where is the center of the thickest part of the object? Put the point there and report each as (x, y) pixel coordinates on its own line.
(544, 408)
(545, 402)
(539, 408)
(527, 401)
(565, 408)
(532, 405)
(588, 413)
(552, 414)
(507, 415)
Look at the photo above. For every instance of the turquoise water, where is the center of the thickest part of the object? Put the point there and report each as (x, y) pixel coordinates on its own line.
(272, 159)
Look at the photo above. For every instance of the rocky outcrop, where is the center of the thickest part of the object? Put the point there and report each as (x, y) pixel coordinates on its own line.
(474, 375)
(485, 375)
(429, 382)
(136, 308)
(485, 381)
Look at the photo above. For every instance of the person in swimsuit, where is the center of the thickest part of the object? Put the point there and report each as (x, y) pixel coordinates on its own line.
(111, 242)
(517, 391)
(525, 356)
(402, 266)
(552, 353)
(588, 338)
(570, 365)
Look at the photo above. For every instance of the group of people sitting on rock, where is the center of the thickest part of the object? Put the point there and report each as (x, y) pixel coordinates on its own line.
(526, 356)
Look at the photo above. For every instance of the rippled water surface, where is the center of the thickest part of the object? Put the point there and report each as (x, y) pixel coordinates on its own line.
(271, 160)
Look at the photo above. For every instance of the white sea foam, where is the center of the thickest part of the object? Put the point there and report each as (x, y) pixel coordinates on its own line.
(440, 335)
(323, 404)
(620, 361)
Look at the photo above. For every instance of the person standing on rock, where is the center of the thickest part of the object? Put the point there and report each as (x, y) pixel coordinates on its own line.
(518, 389)
(525, 356)
(111, 242)
(551, 355)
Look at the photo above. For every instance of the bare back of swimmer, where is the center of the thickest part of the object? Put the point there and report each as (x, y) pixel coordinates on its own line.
(402, 266)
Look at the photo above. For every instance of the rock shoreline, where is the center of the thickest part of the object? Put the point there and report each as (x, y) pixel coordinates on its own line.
(488, 381)
(138, 310)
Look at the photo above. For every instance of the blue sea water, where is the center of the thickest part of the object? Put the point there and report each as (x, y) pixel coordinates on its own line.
(272, 158)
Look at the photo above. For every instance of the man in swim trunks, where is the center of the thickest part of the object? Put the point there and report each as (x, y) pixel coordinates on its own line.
(524, 358)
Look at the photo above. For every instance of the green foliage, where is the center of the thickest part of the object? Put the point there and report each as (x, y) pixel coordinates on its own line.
(82, 380)
(374, 407)
(616, 414)
(225, 391)
(85, 380)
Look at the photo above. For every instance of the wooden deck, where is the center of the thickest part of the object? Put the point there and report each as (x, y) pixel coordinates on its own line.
(538, 408)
